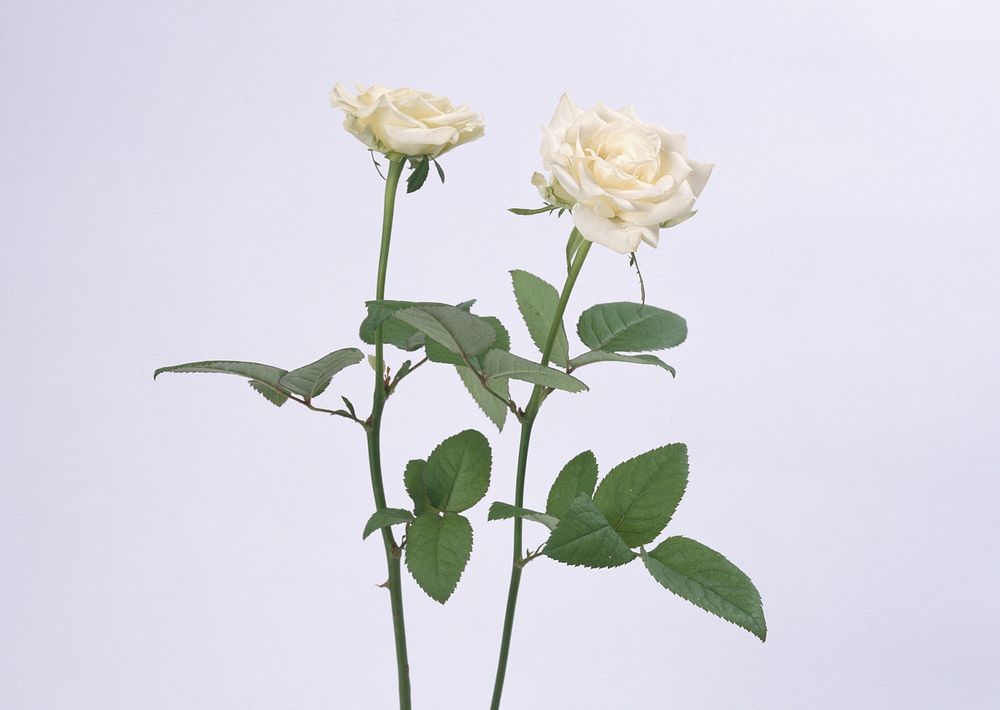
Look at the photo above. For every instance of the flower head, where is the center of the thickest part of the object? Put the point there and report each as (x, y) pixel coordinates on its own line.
(623, 179)
(405, 121)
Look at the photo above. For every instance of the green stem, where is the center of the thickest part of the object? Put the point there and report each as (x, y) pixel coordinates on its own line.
(374, 426)
(527, 422)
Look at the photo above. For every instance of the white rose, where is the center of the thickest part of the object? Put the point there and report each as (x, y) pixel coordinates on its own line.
(623, 179)
(405, 121)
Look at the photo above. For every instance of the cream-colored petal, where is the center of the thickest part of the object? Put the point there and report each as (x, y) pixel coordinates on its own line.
(568, 183)
(363, 133)
(471, 132)
(676, 166)
(700, 172)
(585, 129)
(341, 98)
(681, 202)
(552, 141)
(541, 184)
(618, 236)
(420, 141)
(676, 142)
(629, 112)
(453, 118)
(566, 113)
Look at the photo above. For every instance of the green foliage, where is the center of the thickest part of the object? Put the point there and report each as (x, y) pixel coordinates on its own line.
(584, 537)
(268, 374)
(418, 176)
(705, 578)
(499, 363)
(437, 549)
(502, 341)
(413, 481)
(523, 211)
(577, 477)
(395, 332)
(272, 395)
(440, 170)
(275, 383)
(457, 474)
(593, 356)
(403, 370)
(503, 511)
(457, 330)
(538, 301)
(385, 518)
(630, 327)
(490, 405)
(638, 497)
(439, 353)
(313, 379)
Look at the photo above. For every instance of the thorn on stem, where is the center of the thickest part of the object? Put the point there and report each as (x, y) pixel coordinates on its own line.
(633, 261)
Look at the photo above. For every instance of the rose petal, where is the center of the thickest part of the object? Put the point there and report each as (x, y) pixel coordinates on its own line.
(700, 172)
(406, 121)
(676, 166)
(569, 183)
(420, 141)
(618, 236)
(551, 142)
(340, 98)
(682, 201)
(625, 178)
(565, 113)
(541, 184)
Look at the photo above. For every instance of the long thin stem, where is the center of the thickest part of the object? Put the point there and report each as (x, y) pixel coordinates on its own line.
(527, 422)
(374, 425)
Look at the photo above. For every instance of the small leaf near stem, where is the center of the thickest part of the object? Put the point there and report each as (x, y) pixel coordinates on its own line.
(404, 372)
(593, 356)
(439, 169)
(272, 394)
(484, 380)
(523, 211)
(421, 166)
(386, 518)
(529, 555)
(538, 300)
(486, 397)
(336, 412)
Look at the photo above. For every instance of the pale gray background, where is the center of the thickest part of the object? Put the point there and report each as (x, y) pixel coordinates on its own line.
(176, 187)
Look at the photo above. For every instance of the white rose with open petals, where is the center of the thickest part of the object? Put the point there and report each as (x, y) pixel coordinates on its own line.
(406, 121)
(623, 179)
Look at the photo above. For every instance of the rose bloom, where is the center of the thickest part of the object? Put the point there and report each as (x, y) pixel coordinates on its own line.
(623, 179)
(406, 121)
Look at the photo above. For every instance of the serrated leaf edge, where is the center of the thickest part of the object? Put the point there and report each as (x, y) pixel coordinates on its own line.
(644, 555)
(461, 572)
